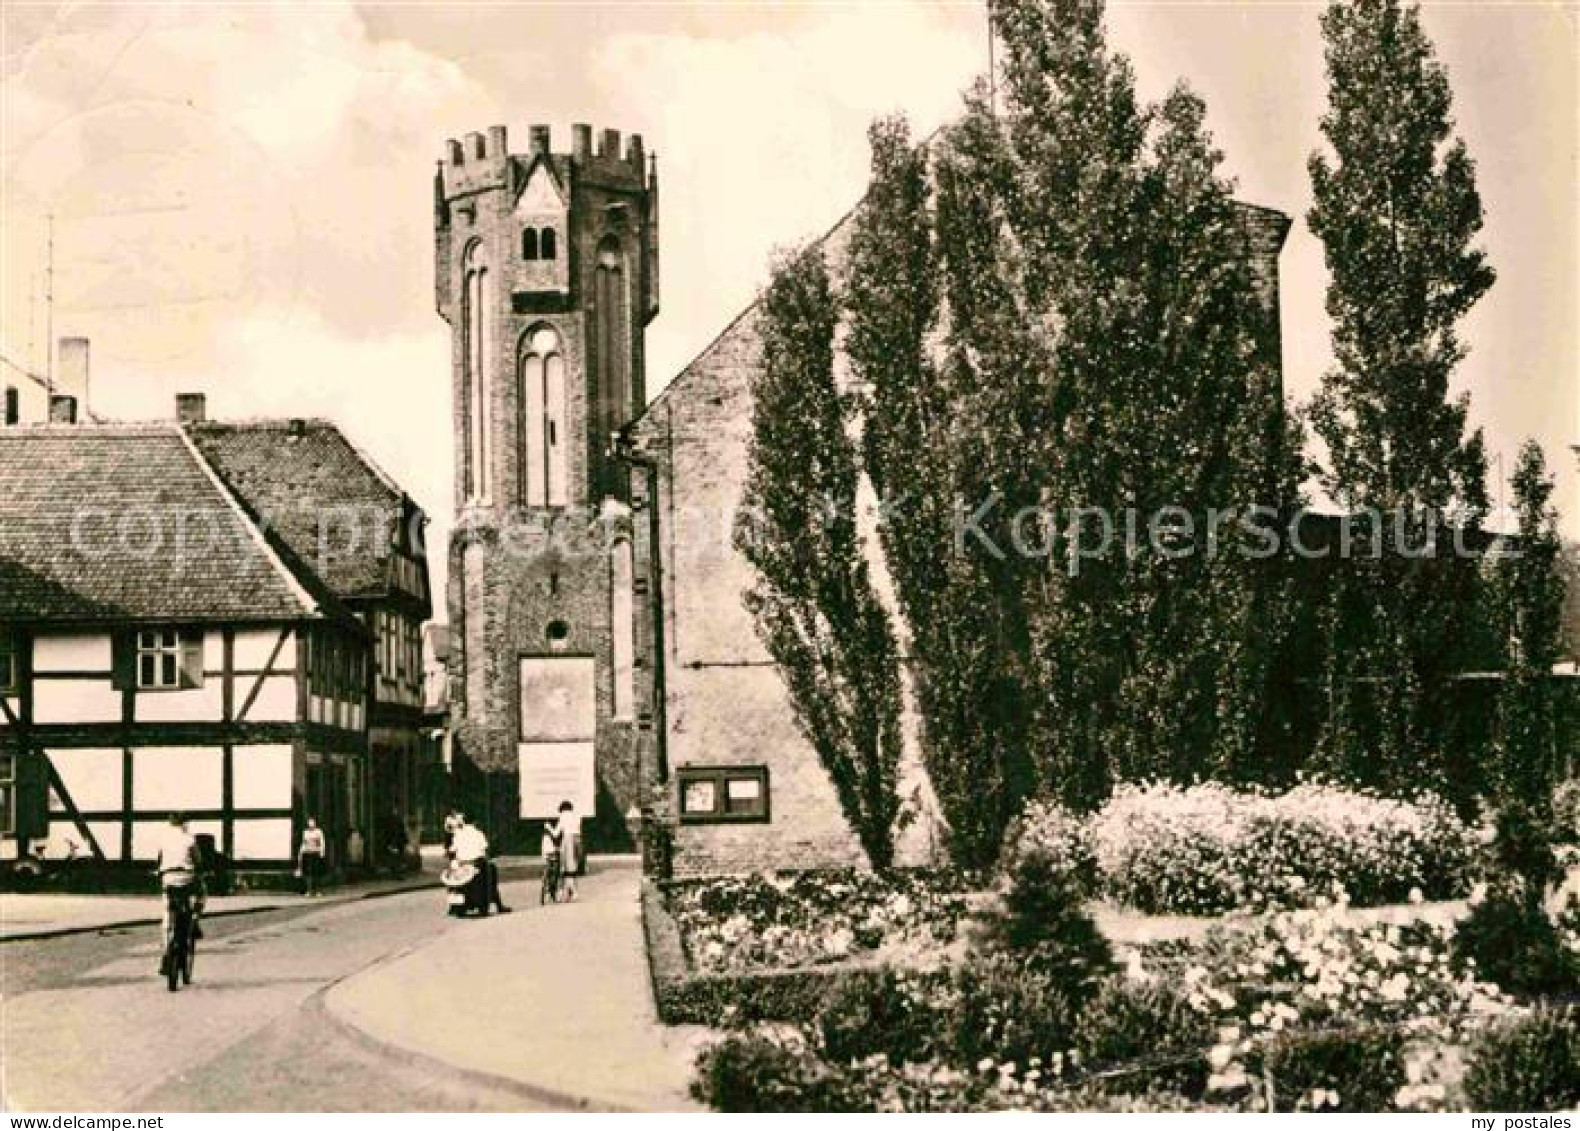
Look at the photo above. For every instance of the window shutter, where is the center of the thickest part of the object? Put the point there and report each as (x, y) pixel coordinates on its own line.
(191, 659)
(32, 795)
(123, 661)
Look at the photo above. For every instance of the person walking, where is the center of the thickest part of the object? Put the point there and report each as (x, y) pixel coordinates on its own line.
(310, 858)
(570, 830)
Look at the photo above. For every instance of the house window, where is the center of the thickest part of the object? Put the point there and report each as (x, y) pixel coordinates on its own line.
(723, 794)
(529, 243)
(169, 659)
(10, 665)
(8, 794)
(546, 244)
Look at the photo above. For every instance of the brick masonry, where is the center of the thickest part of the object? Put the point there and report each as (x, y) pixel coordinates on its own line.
(707, 692)
(725, 702)
(515, 569)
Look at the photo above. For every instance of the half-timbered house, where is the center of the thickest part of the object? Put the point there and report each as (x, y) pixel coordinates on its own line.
(170, 641)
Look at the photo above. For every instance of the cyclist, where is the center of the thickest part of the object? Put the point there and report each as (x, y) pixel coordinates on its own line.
(180, 878)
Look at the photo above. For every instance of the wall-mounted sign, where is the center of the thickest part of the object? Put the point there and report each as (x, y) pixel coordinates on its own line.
(552, 772)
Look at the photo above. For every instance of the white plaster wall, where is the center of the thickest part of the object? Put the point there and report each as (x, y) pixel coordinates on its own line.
(177, 777)
(261, 777)
(64, 840)
(263, 839)
(91, 776)
(74, 652)
(146, 835)
(254, 645)
(75, 701)
(276, 701)
(198, 704)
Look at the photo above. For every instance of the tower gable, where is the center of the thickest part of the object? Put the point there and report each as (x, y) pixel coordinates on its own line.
(541, 253)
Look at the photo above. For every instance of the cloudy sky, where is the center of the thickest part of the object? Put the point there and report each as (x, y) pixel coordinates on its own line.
(242, 192)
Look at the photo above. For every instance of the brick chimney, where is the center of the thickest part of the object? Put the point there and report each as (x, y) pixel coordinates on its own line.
(62, 409)
(191, 408)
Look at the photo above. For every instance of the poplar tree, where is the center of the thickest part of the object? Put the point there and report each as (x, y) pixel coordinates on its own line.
(1397, 211)
(1161, 392)
(812, 599)
(1532, 592)
(928, 449)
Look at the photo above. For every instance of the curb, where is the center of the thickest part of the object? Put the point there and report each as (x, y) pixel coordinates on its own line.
(121, 924)
(537, 1093)
(319, 1005)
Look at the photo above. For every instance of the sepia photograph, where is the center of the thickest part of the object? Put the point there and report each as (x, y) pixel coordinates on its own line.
(789, 556)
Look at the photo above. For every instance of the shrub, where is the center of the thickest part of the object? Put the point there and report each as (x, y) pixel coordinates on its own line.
(1062, 836)
(890, 1013)
(1043, 919)
(1207, 848)
(762, 995)
(753, 1072)
(1514, 944)
(1531, 1063)
(1522, 851)
(1134, 1024)
(1003, 1009)
(1349, 1070)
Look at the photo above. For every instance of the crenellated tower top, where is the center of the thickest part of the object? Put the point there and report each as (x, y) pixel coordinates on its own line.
(546, 268)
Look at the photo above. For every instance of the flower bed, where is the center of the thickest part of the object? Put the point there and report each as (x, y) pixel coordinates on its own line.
(1303, 1010)
(1207, 849)
(788, 921)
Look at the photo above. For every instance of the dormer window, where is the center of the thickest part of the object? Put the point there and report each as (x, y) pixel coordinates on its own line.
(539, 243)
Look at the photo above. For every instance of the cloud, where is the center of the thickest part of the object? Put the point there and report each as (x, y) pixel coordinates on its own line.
(767, 134)
(202, 164)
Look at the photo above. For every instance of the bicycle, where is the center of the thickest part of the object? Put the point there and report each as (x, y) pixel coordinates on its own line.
(551, 879)
(181, 946)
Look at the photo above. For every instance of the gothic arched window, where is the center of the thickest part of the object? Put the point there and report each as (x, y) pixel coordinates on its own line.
(476, 353)
(612, 350)
(529, 243)
(623, 630)
(544, 443)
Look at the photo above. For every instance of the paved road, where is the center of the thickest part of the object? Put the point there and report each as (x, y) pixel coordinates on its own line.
(85, 1025)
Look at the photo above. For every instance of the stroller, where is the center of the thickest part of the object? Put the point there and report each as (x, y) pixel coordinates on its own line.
(466, 888)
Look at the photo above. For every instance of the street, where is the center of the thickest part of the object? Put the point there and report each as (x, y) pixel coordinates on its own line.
(85, 1024)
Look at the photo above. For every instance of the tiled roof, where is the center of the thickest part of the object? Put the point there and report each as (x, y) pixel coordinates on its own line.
(327, 503)
(126, 521)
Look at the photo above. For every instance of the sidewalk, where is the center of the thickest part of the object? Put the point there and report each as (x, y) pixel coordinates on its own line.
(554, 999)
(45, 915)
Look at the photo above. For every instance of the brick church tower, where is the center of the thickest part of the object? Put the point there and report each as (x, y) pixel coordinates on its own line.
(547, 273)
